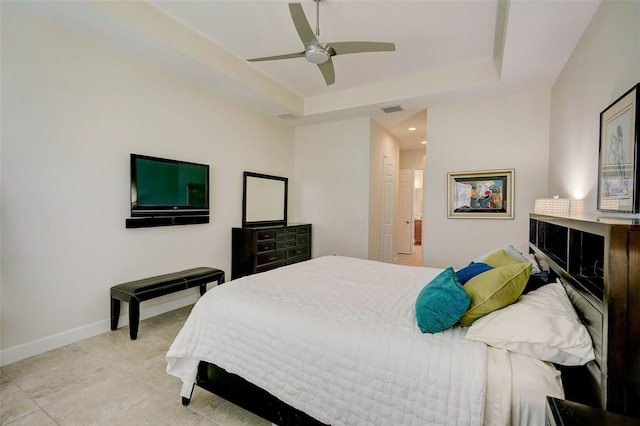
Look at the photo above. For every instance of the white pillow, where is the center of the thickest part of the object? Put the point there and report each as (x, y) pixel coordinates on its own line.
(534, 263)
(541, 324)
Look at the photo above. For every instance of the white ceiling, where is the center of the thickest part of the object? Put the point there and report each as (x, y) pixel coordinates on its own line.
(446, 50)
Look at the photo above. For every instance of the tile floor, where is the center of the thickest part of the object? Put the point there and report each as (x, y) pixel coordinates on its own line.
(110, 379)
(414, 259)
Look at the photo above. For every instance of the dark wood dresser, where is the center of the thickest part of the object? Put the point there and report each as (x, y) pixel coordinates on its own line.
(261, 248)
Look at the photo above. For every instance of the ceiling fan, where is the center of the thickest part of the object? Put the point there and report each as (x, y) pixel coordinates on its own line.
(320, 53)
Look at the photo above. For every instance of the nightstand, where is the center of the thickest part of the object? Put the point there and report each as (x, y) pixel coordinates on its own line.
(560, 412)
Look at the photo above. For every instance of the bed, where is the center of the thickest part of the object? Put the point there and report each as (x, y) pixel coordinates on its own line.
(337, 340)
(334, 341)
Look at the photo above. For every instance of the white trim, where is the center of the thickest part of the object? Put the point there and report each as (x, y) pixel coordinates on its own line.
(36, 347)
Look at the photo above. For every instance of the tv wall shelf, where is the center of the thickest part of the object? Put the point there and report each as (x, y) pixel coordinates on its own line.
(148, 222)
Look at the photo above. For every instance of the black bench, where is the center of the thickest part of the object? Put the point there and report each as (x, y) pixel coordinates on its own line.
(138, 291)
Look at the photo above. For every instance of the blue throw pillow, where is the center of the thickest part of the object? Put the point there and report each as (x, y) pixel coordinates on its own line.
(441, 303)
(471, 270)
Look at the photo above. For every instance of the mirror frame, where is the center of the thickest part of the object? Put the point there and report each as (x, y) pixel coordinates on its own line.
(246, 223)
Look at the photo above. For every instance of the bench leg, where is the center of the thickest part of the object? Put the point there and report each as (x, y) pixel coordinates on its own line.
(203, 289)
(115, 313)
(134, 318)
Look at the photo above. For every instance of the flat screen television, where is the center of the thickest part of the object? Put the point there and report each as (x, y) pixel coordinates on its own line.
(163, 187)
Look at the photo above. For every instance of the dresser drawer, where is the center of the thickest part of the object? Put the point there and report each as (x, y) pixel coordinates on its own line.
(262, 247)
(284, 244)
(276, 256)
(297, 252)
(286, 235)
(303, 240)
(300, 230)
(268, 234)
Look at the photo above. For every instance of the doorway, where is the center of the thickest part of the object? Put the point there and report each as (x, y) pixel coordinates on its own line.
(418, 192)
(405, 212)
(410, 218)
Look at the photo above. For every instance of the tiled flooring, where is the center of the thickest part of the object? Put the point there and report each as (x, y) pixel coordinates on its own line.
(110, 379)
(414, 259)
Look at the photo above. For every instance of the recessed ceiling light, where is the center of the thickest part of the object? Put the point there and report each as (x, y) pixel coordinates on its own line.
(411, 129)
(423, 142)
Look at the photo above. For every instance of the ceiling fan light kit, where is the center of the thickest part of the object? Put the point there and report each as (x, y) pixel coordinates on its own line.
(321, 53)
(316, 53)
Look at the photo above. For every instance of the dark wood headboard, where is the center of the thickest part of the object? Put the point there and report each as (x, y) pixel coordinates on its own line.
(598, 261)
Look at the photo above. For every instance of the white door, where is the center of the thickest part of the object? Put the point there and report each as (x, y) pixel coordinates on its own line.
(387, 213)
(405, 212)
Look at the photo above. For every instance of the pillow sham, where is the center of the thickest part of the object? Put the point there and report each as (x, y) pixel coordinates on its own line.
(501, 258)
(542, 324)
(513, 252)
(441, 303)
(471, 270)
(535, 268)
(542, 263)
(494, 290)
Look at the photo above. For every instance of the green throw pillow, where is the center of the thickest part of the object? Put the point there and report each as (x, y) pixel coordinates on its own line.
(495, 289)
(500, 258)
(441, 303)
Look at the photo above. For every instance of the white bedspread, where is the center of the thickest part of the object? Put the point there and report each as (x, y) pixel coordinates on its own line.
(337, 338)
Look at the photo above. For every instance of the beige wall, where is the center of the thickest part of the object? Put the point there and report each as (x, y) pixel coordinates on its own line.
(551, 139)
(72, 111)
(332, 185)
(509, 132)
(604, 65)
(413, 158)
(339, 185)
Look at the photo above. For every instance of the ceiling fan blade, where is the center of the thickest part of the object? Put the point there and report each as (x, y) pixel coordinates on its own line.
(327, 72)
(273, 58)
(302, 25)
(344, 47)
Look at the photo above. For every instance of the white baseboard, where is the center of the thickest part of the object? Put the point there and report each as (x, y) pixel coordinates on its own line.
(36, 347)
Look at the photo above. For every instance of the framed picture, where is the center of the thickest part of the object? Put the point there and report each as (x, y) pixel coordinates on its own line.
(618, 164)
(481, 195)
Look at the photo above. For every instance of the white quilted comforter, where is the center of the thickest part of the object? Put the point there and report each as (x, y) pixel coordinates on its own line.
(337, 338)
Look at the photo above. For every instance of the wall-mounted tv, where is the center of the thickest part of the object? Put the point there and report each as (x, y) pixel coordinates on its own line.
(162, 187)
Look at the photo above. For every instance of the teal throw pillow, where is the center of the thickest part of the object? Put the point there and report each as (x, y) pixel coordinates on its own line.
(441, 303)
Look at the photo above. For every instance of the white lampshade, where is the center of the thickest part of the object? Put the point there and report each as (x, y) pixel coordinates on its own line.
(558, 206)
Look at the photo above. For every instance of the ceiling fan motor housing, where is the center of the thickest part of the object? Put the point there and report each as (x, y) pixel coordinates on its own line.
(316, 54)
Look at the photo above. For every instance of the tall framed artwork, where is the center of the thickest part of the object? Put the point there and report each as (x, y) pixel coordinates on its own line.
(486, 194)
(618, 172)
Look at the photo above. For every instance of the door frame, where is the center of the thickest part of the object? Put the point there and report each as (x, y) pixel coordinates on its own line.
(388, 213)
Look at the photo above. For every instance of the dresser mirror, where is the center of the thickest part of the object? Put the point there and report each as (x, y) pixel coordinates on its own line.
(264, 199)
